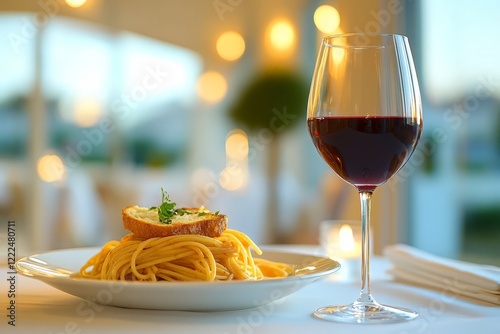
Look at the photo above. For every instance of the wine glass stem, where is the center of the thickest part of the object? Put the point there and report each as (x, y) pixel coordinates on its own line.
(365, 295)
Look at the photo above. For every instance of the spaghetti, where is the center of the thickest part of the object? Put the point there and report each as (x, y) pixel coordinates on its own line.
(186, 257)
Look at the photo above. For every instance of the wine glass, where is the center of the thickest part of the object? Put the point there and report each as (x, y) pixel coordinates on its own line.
(364, 116)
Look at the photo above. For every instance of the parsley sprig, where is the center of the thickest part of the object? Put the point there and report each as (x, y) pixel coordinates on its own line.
(167, 210)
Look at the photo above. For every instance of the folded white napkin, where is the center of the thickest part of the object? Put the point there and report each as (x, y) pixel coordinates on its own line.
(451, 277)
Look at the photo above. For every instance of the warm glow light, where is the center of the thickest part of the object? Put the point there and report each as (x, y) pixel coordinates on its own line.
(235, 175)
(338, 55)
(282, 35)
(75, 3)
(237, 146)
(87, 112)
(230, 45)
(346, 239)
(233, 178)
(212, 87)
(50, 168)
(326, 19)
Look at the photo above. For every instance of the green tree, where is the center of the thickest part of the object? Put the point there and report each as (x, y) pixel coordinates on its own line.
(271, 101)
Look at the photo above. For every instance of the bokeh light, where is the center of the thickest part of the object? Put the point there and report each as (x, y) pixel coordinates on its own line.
(326, 19)
(212, 87)
(87, 112)
(282, 35)
(50, 168)
(338, 55)
(230, 46)
(237, 145)
(75, 3)
(233, 177)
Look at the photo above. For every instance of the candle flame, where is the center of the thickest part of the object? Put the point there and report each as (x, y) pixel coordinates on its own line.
(347, 243)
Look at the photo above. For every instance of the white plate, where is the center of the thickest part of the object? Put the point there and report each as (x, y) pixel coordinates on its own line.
(54, 268)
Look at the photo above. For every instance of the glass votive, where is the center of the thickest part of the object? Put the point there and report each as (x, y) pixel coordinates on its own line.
(341, 241)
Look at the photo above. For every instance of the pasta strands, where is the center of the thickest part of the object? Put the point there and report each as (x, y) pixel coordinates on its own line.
(182, 258)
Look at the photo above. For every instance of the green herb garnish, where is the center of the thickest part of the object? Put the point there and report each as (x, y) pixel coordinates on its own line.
(167, 210)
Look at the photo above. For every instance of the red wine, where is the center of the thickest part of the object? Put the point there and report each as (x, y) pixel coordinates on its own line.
(367, 150)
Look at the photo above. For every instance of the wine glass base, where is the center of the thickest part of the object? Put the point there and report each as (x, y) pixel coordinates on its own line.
(365, 313)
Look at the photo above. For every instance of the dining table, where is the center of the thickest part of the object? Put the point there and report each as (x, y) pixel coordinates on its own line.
(41, 308)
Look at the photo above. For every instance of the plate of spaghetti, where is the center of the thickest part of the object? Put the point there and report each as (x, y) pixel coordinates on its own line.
(177, 259)
(60, 269)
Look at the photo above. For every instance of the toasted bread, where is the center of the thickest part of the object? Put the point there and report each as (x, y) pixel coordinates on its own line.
(144, 222)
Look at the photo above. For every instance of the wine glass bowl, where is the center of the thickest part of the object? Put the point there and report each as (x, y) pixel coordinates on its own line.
(365, 151)
(364, 117)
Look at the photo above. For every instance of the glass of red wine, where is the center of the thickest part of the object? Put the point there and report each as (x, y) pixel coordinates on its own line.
(365, 119)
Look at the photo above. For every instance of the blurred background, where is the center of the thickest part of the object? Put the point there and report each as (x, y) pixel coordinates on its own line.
(103, 102)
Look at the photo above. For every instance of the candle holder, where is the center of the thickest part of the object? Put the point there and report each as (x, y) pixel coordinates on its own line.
(341, 241)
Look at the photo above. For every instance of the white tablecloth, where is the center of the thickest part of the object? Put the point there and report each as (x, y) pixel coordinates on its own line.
(43, 309)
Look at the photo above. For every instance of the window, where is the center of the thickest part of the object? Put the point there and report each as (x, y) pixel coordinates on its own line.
(455, 193)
